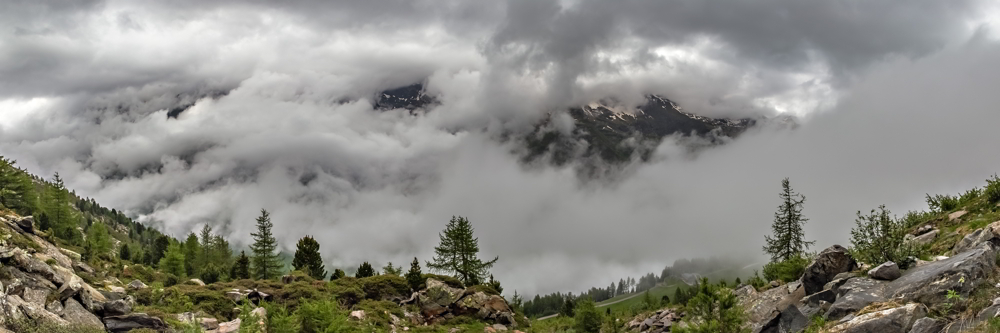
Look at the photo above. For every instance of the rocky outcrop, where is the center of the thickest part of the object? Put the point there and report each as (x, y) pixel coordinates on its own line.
(989, 234)
(896, 320)
(439, 300)
(125, 323)
(930, 283)
(887, 271)
(75, 313)
(660, 321)
(830, 262)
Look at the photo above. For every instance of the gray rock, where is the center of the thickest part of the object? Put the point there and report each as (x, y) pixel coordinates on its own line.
(30, 265)
(27, 224)
(761, 306)
(789, 320)
(854, 295)
(887, 271)
(896, 320)
(55, 307)
(830, 262)
(34, 296)
(825, 295)
(927, 325)
(74, 313)
(70, 288)
(989, 234)
(121, 324)
(929, 284)
(437, 298)
(136, 285)
(117, 308)
(926, 238)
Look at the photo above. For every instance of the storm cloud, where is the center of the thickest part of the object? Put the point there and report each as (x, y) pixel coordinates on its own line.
(271, 107)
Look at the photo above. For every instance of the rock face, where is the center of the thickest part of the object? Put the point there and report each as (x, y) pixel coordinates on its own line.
(887, 271)
(927, 325)
(990, 233)
(790, 320)
(74, 313)
(440, 300)
(832, 261)
(897, 320)
(116, 324)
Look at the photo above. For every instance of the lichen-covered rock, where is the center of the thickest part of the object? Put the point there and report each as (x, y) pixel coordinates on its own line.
(854, 295)
(830, 262)
(896, 320)
(74, 313)
(117, 307)
(437, 298)
(930, 283)
(989, 234)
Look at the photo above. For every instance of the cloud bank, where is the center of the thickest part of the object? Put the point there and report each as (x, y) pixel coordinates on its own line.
(277, 114)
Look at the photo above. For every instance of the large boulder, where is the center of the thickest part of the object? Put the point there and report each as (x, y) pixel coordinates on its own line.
(29, 264)
(989, 234)
(887, 271)
(37, 313)
(854, 295)
(927, 325)
(71, 288)
(437, 298)
(125, 323)
(136, 285)
(830, 262)
(74, 313)
(896, 320)
(27, 224)
(117, 308)
(789, 320)
(229, 326)
(930, 283)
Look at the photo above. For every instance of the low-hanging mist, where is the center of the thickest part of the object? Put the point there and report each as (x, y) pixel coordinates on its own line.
(277, 114)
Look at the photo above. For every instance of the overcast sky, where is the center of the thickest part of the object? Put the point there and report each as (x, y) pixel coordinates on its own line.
(895, 99)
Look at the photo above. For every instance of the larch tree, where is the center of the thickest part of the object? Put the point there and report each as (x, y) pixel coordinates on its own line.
(788, 239)
(265, 261)
(307, 258)
(458, 253)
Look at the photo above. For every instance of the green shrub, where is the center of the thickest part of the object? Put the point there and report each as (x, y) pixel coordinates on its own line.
(377, 312)
(248, 320)
(787, 270)
(381, 287)
(348, 290)
(969, 196)
(171, 280)
(587, 318)
(878, 238)
(942, 203)
(279, 320)
(322, 316)
(992, 190)
(713, 309)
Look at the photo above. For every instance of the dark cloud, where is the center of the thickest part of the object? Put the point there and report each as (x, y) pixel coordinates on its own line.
(277, 104)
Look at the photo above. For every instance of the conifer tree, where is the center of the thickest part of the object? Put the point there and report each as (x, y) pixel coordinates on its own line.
(173, 260)
(414, 277)
(365, 270)
(337, 273)
(308, 259)
(266, 264)
(62, 218)
(788, 237)
(494, 284)
(458, 253)
(124, 253)
(241, 268)
(17, 191)
(98, 241)
(389, 269)
(192, 255)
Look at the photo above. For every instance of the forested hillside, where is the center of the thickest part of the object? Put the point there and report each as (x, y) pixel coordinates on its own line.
(71, 265)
